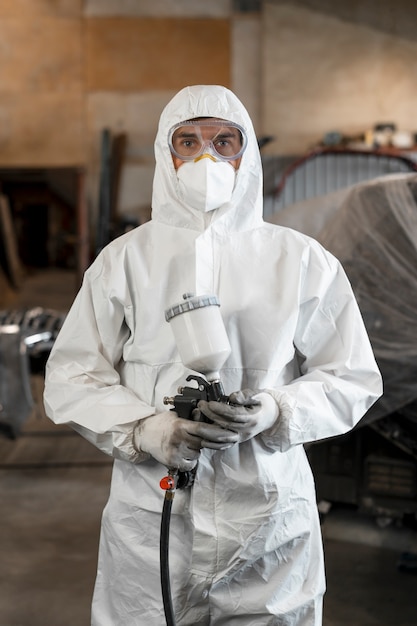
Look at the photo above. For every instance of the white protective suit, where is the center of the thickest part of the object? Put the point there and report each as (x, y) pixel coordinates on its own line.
(245, 545)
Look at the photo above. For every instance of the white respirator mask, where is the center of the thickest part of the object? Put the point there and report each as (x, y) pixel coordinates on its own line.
(206, 184)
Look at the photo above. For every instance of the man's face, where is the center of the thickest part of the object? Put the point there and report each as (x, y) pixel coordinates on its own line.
(218, 140)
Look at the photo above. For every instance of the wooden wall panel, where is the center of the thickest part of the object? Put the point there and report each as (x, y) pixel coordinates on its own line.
(41, 55)
(136, 54)
(43, 130)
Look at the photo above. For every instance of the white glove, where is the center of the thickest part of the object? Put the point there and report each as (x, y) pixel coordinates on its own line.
(247, 414)
(176, 442)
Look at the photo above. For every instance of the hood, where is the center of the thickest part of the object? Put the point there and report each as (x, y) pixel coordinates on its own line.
(245, 209)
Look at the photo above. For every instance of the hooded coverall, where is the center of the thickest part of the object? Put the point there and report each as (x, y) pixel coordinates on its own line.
(245, 546)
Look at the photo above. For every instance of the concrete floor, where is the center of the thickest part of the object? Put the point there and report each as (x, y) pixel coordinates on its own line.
(53, 487)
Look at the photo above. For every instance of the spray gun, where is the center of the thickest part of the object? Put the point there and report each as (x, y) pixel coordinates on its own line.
(187, 398)
(184, 403)
(203, 346)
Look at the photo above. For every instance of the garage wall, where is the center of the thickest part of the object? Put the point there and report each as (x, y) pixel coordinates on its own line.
(41, 83)
(336, 65)
(70, 68)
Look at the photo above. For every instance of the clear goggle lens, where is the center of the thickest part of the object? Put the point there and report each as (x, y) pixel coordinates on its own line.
(191, 139)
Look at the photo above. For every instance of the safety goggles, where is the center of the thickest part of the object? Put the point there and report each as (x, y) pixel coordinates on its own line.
(194, 138)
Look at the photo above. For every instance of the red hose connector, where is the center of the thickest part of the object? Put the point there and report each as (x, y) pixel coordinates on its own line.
(167, 482)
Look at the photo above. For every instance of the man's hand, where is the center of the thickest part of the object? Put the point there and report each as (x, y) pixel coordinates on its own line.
(247, 414)
(176, 442)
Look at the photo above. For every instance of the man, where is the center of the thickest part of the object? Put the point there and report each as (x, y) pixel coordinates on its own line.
(245, 545)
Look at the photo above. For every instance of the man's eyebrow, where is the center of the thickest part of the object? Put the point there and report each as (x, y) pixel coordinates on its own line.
(185, 133)
(228, 133)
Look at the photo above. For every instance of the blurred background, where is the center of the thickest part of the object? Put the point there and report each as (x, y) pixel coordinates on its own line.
(331, 87)
(72, 69)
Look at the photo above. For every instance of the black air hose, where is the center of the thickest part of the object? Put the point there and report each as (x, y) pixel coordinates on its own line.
(164, 557)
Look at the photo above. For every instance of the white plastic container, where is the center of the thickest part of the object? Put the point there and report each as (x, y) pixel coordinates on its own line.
(200, 334)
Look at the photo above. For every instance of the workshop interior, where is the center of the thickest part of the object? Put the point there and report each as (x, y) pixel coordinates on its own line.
(332, 93)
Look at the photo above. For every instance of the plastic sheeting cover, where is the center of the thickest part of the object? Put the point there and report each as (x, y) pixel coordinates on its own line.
(374, 235)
